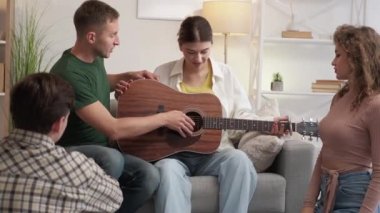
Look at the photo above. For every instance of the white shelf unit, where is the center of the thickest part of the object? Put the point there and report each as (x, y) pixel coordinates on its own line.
(297, 93)
(299, 106)
(295, 41)
(6, 24)
(300, 61)
(2, 48)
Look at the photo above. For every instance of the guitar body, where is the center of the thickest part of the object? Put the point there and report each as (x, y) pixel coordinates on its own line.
(148, 97)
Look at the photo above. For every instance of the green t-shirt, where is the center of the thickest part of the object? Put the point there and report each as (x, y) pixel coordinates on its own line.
(90, 83)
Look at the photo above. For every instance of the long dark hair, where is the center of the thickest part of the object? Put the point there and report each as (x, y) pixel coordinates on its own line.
(194, 28)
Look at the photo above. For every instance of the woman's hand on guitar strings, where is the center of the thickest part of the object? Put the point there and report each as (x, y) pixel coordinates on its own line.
(180, 122)
(278, 127)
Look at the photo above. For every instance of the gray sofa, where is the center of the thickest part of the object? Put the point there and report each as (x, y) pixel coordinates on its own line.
(280, 189)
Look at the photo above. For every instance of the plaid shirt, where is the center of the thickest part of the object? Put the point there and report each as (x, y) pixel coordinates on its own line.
(38, 176)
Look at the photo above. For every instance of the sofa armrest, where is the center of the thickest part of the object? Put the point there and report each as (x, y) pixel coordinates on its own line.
(296, 163)
(113, 106)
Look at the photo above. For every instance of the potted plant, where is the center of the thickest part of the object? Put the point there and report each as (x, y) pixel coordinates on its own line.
(28, 46)
(277, 83)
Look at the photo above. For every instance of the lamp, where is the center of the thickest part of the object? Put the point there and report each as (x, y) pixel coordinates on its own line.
(228, 17)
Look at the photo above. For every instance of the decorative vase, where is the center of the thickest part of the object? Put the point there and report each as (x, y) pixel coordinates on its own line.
(277, 86)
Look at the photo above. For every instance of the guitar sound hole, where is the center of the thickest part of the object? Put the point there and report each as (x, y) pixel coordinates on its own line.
(197, 118)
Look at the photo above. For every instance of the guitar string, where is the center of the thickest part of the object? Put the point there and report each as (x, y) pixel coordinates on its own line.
(215, 121)
(224, 121)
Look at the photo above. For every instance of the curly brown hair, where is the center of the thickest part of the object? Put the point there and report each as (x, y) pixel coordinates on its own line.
(362, 45)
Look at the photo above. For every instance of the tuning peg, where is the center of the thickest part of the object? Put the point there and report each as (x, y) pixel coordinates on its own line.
(309, 139)
(317, 136)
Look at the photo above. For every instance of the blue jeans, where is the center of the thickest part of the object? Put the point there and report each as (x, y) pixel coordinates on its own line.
(138, 179)
(350, 192)
(235, 172)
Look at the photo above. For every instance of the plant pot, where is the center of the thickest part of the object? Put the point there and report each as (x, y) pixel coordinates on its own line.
(277, 86)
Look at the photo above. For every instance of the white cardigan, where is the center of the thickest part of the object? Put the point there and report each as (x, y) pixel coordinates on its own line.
(226, 87)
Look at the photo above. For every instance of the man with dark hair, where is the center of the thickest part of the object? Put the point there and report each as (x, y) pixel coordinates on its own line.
(90, 124)
(36, 175)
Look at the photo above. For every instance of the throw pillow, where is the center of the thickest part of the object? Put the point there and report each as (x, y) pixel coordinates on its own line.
(261, 149)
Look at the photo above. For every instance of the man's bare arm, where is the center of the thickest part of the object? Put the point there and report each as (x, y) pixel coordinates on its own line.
(101, 119)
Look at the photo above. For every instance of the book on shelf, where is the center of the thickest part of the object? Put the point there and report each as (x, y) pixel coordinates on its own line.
(296, 34)
(326, 86)
(2, 77)
(330, 81)
(324, 90)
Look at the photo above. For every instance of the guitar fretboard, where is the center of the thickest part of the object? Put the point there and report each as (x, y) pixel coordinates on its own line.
(241, 124)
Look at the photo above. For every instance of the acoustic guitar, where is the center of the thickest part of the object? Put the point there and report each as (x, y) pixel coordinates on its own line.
(147, 97)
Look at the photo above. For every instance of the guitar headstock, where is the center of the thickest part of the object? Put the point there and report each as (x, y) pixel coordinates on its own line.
(308, 128)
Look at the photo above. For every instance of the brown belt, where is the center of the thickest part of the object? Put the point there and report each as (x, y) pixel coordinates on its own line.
(332, 184)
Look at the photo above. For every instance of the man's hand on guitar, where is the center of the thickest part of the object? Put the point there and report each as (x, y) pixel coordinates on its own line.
(121, 87)
(180, 122)
(278, 127)
(143, 74)
(129, 77)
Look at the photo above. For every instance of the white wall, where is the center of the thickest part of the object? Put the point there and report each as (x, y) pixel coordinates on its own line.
(373, 16)
(145, 44)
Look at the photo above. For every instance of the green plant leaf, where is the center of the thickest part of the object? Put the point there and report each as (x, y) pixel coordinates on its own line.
(29, 44)
(277, 77)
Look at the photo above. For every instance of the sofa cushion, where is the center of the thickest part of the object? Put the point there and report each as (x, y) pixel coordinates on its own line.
(261, 149)
(269, 196)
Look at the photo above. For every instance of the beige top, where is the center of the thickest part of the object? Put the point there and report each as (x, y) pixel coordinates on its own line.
(348, 140)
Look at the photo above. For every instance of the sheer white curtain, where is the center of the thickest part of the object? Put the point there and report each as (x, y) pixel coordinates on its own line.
(255, 50)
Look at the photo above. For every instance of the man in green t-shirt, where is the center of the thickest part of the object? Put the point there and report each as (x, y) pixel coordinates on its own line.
(90, 124)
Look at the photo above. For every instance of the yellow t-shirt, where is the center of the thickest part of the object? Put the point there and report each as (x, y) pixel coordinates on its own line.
(206, 87)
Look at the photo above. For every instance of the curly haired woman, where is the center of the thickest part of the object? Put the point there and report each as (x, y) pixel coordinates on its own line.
(347, 172)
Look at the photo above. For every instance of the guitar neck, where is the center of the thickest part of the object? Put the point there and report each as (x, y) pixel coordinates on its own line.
(242, 124)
